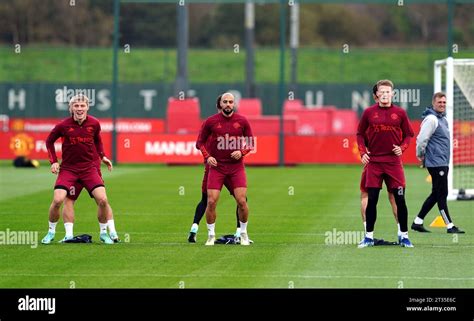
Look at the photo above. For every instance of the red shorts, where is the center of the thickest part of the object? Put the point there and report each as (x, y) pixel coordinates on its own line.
(233, 172)
(363, 179)
(227, 183)
(67, 180)
(392, 173)
(75, 191)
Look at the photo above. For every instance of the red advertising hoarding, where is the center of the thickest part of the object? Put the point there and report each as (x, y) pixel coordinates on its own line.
(33, 145)
(127, 125)
(142, 141)
(180, 149)
(330, 150)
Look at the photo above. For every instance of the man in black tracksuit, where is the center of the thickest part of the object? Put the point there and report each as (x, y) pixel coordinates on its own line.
(433, 149)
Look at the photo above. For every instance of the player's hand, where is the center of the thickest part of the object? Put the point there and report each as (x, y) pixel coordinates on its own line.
(55, 168)
(397, 150)
(236, 155)
(365, 158)
(108, 163)
(212, 161)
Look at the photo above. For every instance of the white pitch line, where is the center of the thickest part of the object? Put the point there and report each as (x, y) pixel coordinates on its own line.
(174, 214)
(252, 276)
(295, 244)
(186, 233)
(451, 246)
(259, 234)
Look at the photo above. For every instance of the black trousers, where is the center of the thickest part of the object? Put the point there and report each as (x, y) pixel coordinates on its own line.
(439, 193)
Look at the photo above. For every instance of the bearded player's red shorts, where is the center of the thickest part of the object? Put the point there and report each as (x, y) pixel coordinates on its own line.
(390, 172)
(227, 183)
(234, 173)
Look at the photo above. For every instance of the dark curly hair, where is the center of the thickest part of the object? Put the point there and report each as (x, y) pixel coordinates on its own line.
(218, 102)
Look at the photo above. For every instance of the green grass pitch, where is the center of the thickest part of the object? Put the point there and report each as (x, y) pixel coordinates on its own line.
(292, 210)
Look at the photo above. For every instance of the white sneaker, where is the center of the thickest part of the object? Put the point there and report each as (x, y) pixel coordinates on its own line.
(114, 237)
(211, 240)
(244, 239)
(66, 238)
(237, 233)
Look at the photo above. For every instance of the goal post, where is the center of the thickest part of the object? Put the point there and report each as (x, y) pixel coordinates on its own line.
(455, 77)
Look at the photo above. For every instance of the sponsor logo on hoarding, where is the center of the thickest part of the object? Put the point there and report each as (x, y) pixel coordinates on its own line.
(171, 148)
(21, 144)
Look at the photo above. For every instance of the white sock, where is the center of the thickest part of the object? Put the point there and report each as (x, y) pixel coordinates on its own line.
(52, 227)
(418, 220)
(111, 226)
(370, 235)
(365, 226)
(450, 225)
(237, 231)
(69, 227)
(103, 227)
(404, 235)
(243, 227)
(194, 228)
(399, 231)
(210, 229)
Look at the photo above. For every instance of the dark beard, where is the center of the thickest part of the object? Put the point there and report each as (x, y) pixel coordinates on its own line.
(227, 112)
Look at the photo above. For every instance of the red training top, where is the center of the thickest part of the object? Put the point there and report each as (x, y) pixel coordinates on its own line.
(383, 127)
(81, 143)
(226, 135)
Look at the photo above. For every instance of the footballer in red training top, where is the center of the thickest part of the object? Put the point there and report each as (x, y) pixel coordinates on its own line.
(383, 135)
(225, 138)
(81, 145)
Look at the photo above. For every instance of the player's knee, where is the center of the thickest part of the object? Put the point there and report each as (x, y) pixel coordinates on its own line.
(211, 202)
(57, 202)
(442, 194)
(242, 201)
(102, 201)
(373, 194)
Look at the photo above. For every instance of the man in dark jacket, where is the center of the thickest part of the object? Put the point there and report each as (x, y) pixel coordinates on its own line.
(433, 149)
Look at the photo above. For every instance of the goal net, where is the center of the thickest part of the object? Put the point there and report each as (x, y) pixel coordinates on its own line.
(456, 78)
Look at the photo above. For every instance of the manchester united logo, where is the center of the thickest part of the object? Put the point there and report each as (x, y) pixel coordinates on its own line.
(90, 129)
(394, 116)
(21, 144)
(18, 125)
(236, 125)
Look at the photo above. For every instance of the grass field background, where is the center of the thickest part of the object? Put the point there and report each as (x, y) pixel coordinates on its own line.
(141, 65)
(153, 220)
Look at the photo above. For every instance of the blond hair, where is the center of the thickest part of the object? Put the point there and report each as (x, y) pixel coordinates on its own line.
(79, 97)
(384, 82)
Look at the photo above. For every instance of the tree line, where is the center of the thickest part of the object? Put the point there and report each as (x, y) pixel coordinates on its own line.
(90, 23)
